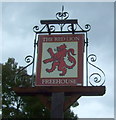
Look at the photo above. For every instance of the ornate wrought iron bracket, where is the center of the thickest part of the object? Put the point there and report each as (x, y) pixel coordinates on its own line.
(64, 25)
(97, 78)
(29, 60)
(61, 22)
(72, 27)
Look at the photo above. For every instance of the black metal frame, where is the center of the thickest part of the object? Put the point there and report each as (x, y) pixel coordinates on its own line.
(64, 26)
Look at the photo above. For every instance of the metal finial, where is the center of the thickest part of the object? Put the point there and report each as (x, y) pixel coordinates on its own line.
(62, 8)
(62, 15)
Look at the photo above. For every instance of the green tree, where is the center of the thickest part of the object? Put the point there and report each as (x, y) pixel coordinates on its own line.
(11, 103)
(14, 106)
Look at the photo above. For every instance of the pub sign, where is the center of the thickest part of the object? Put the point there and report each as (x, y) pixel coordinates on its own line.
(60, 60)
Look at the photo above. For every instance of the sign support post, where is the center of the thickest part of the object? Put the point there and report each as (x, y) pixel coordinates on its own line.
(57, 105)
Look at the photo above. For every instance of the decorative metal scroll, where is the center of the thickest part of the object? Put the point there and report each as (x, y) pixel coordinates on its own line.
(21, 75)
(68, 28)
(95, 79)
(62, 15)
(62, 27)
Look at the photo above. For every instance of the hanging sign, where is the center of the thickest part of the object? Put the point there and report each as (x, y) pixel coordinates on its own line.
(60, 60)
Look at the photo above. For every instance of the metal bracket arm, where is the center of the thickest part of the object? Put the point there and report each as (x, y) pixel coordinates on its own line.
(70, 21)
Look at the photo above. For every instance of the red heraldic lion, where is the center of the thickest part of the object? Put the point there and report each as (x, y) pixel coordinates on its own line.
(57, 59)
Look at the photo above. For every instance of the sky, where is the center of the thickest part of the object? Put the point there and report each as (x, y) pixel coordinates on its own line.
(18, 19)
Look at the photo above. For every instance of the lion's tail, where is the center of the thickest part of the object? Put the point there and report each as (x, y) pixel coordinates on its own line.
(71, 59)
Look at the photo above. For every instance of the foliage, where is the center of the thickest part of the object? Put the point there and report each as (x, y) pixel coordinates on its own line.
(14, 106)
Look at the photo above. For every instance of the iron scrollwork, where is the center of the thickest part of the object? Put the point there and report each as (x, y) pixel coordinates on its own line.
(37, 30)
(62, 15)
(20, 75)
(71, 27)
(29, 60)
(95, 79)
(87, 27)
(52, 28)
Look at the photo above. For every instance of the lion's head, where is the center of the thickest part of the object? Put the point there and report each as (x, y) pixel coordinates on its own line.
(61, 47)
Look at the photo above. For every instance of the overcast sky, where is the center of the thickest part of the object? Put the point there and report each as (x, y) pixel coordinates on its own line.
(18, 19)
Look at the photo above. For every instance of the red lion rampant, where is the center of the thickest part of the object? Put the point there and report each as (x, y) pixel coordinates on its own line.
(58, 59)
